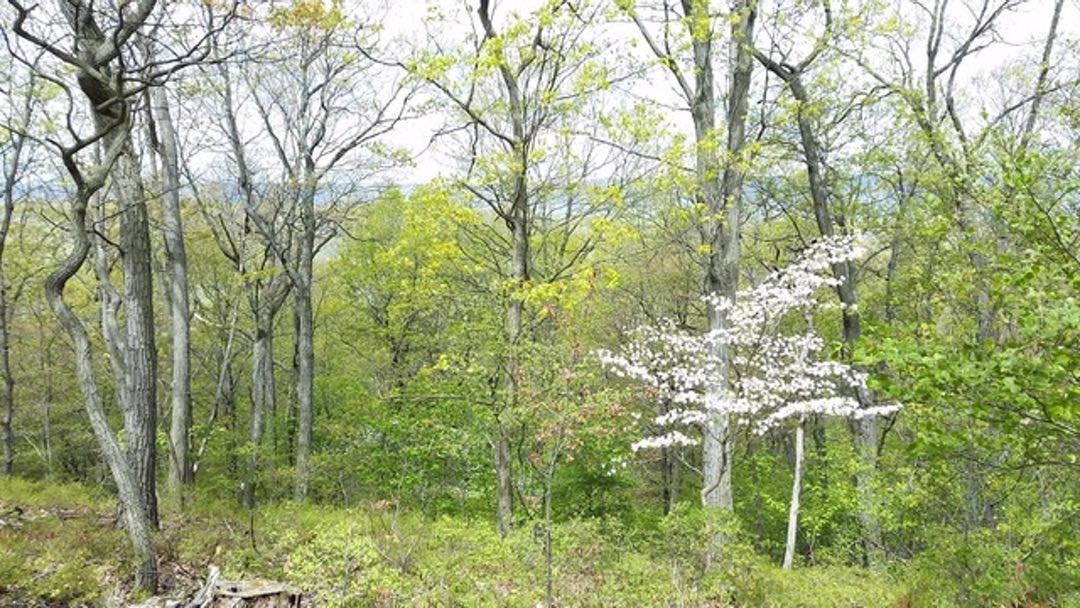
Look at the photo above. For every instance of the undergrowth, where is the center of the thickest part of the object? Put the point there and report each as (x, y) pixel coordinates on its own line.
(59, 547)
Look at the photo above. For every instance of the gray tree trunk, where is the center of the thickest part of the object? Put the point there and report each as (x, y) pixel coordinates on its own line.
(177, 286)
(719, 190)
(517, 221)
(864, 430)
(519, 273)
(132, 349)
(266, 303)
(135, 519)
(7, 389)
(796, 488)
(140, 350)
(305, 340)
(93, 54)
(262, 393)
(503, 482)
(723, 200)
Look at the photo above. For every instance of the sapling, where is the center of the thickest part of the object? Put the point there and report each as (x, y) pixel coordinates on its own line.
(780, 369)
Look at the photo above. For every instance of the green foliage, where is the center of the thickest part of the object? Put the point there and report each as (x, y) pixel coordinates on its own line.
(380, 555)
(975, 482)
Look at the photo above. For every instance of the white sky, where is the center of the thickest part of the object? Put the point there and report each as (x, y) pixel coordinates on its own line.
(1022, 33)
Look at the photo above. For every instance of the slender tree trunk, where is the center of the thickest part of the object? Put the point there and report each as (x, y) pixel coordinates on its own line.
(796, 488)
(266, 299)
(549, 557)
(290, 404)
(517, 221)
(864, 430)
(305, 340)
(7, 389)
(12, 173)
(503, 482)
(45, 375)
(262, 395)
(519, 274)
(46, 421)
(177, 284)
(669, 473)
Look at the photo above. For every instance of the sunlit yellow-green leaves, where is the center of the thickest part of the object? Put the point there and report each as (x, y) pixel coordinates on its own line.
(307, 15)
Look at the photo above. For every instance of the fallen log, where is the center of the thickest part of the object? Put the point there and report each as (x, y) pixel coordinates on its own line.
(217, 593)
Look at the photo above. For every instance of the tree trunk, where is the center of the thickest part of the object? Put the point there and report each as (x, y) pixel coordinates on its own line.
(140, 350)
(12, 173)
(519, 273)
(7, 389)
(864, 430)
(669, 473)
(503, 482)
(46, 419)
(177, 284)
(517, 221)
(796, 487)
(262, 395)
(305, 340)
(723, 200)
(106, 96)
(135, 518)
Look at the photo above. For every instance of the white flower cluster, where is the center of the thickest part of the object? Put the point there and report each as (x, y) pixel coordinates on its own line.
(777, 369)
(673, 438)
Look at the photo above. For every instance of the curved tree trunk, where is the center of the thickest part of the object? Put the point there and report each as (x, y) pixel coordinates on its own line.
(135, 518)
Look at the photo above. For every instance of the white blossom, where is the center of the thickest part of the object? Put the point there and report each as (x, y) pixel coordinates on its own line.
(779, 371)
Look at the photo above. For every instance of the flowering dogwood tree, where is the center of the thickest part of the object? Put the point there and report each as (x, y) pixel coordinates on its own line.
(779, 370)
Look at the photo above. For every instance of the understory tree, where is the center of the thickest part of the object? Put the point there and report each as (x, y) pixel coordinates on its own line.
(780, 373)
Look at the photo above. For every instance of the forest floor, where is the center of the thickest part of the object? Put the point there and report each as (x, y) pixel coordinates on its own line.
(59, 546)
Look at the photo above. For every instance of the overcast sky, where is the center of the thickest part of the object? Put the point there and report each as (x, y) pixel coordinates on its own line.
(1022, 33)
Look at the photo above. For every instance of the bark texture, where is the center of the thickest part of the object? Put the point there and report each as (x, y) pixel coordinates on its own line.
(720, 189)
(267, 300)
(7, 389)
(177, 291)
(305, 345)
(135, 519)
(140, 350)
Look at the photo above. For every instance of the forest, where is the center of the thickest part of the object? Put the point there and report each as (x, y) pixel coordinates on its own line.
(602, 303)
